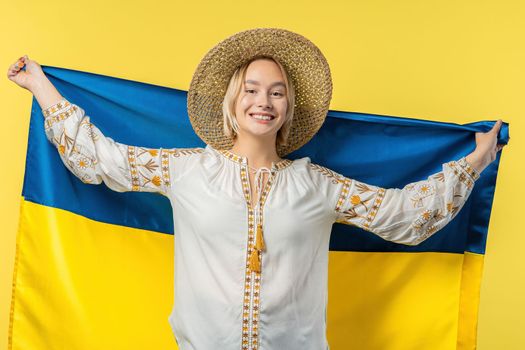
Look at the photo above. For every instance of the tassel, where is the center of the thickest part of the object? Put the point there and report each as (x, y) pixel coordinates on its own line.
(259, 241)
(255, 264)
(255, 257)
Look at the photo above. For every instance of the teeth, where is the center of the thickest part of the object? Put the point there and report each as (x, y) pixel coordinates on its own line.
(261, 117)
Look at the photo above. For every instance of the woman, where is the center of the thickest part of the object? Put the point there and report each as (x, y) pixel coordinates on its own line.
(252, 229)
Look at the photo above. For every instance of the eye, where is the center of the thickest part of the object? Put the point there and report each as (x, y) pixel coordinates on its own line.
(277, 93)
(249, 91)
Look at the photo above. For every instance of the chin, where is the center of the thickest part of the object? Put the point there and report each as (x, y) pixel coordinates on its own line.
(263, 134)
(256, 132)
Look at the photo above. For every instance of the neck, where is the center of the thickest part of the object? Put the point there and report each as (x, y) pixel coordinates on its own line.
(258, 151)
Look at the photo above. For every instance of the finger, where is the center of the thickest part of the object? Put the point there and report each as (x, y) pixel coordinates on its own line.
(497, 126)
(12, 70)
(18, 60)
(14, 67)
(21, 63)
(12, 73)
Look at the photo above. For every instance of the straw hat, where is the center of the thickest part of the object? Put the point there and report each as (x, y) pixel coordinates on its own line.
(304, 62)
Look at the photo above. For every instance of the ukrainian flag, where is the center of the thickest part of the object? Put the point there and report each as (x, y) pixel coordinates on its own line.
(94, 268)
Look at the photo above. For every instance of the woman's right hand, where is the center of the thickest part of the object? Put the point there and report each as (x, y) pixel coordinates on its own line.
(28, 78)
(34, 79)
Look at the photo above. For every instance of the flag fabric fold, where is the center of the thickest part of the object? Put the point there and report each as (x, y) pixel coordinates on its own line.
(93, 268)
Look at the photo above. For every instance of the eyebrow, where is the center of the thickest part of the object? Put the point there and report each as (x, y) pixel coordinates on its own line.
(255, 82)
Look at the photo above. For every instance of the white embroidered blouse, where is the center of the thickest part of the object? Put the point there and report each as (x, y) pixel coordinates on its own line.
(222, 300)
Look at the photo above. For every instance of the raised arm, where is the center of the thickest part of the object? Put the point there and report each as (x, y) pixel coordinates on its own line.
(412, 214)
(94, 158)
(85, 151)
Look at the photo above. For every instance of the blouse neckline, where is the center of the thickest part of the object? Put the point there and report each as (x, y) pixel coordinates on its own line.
(243, 160)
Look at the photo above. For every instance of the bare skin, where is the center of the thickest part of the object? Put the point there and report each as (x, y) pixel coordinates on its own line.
(264, 94)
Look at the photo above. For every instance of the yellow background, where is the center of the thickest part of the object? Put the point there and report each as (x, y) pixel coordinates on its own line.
(438, 60)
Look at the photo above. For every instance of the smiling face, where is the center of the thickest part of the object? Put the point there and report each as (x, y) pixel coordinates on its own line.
(262, 103)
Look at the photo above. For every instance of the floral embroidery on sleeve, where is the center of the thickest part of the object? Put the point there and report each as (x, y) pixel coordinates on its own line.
(145, 168)
(412, 214)
(150, 167)
(332, 175)
(358, 203)
(94, 158)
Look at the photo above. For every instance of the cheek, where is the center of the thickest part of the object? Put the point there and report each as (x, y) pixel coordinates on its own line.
(243, 103)
(281, 123)
(282, 108)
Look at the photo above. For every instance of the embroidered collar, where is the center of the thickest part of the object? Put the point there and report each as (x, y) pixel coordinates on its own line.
(283, 163)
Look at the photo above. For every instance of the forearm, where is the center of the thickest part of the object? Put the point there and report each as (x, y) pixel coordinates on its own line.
(477, 161)
(45, 93)
(487, 148)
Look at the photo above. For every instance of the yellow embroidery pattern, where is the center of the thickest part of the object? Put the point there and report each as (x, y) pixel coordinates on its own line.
(55, 108)
(464, 172)
(50, 121)
(439, 176)
(145, 163)
(355, 199)
(177, 152)
(283, 164)
(354, 204)
(473, 173)
(251, 294)
(232, 156)
(76, 161)
(426, 216)
(344, 194)
(450, 206)
(148, 168)
(421, 191)
(335, 177)
(433, 219)
(165, 159)
(89, 130)
(135, 183)
(373, 212)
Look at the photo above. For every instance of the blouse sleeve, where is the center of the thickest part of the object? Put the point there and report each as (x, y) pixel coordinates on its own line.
(94, 158)
(411, 214)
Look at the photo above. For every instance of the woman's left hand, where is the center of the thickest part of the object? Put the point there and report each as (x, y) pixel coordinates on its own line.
(487, 148)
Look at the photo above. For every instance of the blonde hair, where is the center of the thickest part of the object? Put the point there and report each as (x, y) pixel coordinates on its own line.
(231, 128)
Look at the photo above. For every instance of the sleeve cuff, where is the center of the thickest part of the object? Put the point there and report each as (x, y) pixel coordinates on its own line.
(468, 168)
(56, 108)
(57, 113)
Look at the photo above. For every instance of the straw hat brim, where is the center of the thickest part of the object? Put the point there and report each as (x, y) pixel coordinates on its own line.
(304, 62)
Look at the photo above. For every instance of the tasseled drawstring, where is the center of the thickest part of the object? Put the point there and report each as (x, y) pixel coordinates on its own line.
(255, 261)
(259, 242)
(257, 249)
(255, 257)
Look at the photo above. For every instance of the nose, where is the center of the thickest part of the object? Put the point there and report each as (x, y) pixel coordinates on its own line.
(264, 101)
